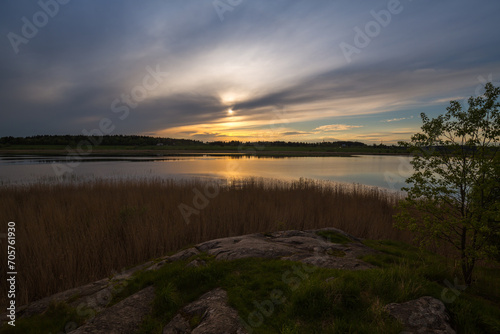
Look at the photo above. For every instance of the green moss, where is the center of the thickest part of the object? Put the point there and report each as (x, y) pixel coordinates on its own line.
(194, 321)
(336, 253)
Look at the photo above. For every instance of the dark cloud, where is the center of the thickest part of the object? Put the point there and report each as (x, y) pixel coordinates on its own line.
(265, 53)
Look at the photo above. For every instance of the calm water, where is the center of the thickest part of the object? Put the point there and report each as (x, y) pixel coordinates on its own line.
(382, 171)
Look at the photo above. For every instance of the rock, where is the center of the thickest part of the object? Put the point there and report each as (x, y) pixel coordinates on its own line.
(423, 315)
(210, 314)
(124, 317)
(303, 246)
(93, 296)
(76, 295)
(178, 325)
(184, 255)
(253, 245)
(158, 265)
(127, 274)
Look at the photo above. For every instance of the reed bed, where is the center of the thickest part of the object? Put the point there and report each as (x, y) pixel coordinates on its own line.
(74, 233)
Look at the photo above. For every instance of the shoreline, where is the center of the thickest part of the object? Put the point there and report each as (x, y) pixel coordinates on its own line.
(182, 152)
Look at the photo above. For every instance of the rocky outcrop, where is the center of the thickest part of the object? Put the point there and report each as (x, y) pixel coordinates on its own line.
(93, 291)
(211, 313)
(91, 298)
(423, 315)
(208, 315)
(304, 246)
(123, 317)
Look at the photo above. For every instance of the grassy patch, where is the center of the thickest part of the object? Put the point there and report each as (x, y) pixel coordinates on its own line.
(475, 309)
(59, 318)
(274, 296)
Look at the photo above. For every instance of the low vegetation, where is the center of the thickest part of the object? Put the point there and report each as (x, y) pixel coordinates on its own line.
(72, 234)
(317, 300)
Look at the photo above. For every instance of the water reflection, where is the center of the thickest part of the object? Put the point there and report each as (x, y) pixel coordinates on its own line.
(382, 171)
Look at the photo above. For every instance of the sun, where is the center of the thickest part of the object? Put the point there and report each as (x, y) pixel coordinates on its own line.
(230, 111)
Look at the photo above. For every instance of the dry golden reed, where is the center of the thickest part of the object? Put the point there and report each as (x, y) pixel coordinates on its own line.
(72, 234)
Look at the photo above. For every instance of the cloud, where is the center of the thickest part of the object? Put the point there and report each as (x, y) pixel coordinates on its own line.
(448, 99)
(336, 127)
(397, 119)
(265, 53)
(295, 133)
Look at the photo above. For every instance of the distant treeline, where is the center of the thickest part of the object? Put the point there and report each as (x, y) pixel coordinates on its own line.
(107, 140)
(289, 144)
(134, 140)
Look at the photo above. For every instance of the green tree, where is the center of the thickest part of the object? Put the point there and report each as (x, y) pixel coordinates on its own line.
(454, 190)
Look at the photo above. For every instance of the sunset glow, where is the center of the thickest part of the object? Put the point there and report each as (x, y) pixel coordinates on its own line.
(181, 70)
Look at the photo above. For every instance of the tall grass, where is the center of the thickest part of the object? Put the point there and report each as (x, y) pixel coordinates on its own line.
(71, 234)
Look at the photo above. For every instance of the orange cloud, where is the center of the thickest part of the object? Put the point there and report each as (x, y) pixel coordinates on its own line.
(337, 127)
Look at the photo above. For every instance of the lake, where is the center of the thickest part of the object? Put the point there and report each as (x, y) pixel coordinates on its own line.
(376, 170)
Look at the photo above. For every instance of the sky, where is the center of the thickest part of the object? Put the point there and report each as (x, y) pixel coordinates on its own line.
(241, 69)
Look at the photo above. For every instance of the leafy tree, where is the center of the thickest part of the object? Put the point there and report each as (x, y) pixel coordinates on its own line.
(454, 192)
